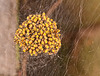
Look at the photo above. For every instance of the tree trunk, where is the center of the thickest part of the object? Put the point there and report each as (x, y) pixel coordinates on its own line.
(7, 29)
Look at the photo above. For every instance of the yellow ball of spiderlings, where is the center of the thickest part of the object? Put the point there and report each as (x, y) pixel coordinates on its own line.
(40, 47)
(46, 50)
(34, 53)
(38, 34)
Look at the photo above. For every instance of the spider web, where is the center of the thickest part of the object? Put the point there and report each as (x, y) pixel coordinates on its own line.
(78, 21)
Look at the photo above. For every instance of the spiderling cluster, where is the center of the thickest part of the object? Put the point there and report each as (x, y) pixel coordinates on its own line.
(38, 34)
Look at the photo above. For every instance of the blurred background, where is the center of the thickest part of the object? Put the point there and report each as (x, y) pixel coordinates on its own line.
(79, 22)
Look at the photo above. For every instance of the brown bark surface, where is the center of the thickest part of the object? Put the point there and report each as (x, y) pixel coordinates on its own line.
(7, 28)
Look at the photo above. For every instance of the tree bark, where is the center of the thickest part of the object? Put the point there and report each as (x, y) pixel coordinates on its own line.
(8, 23)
